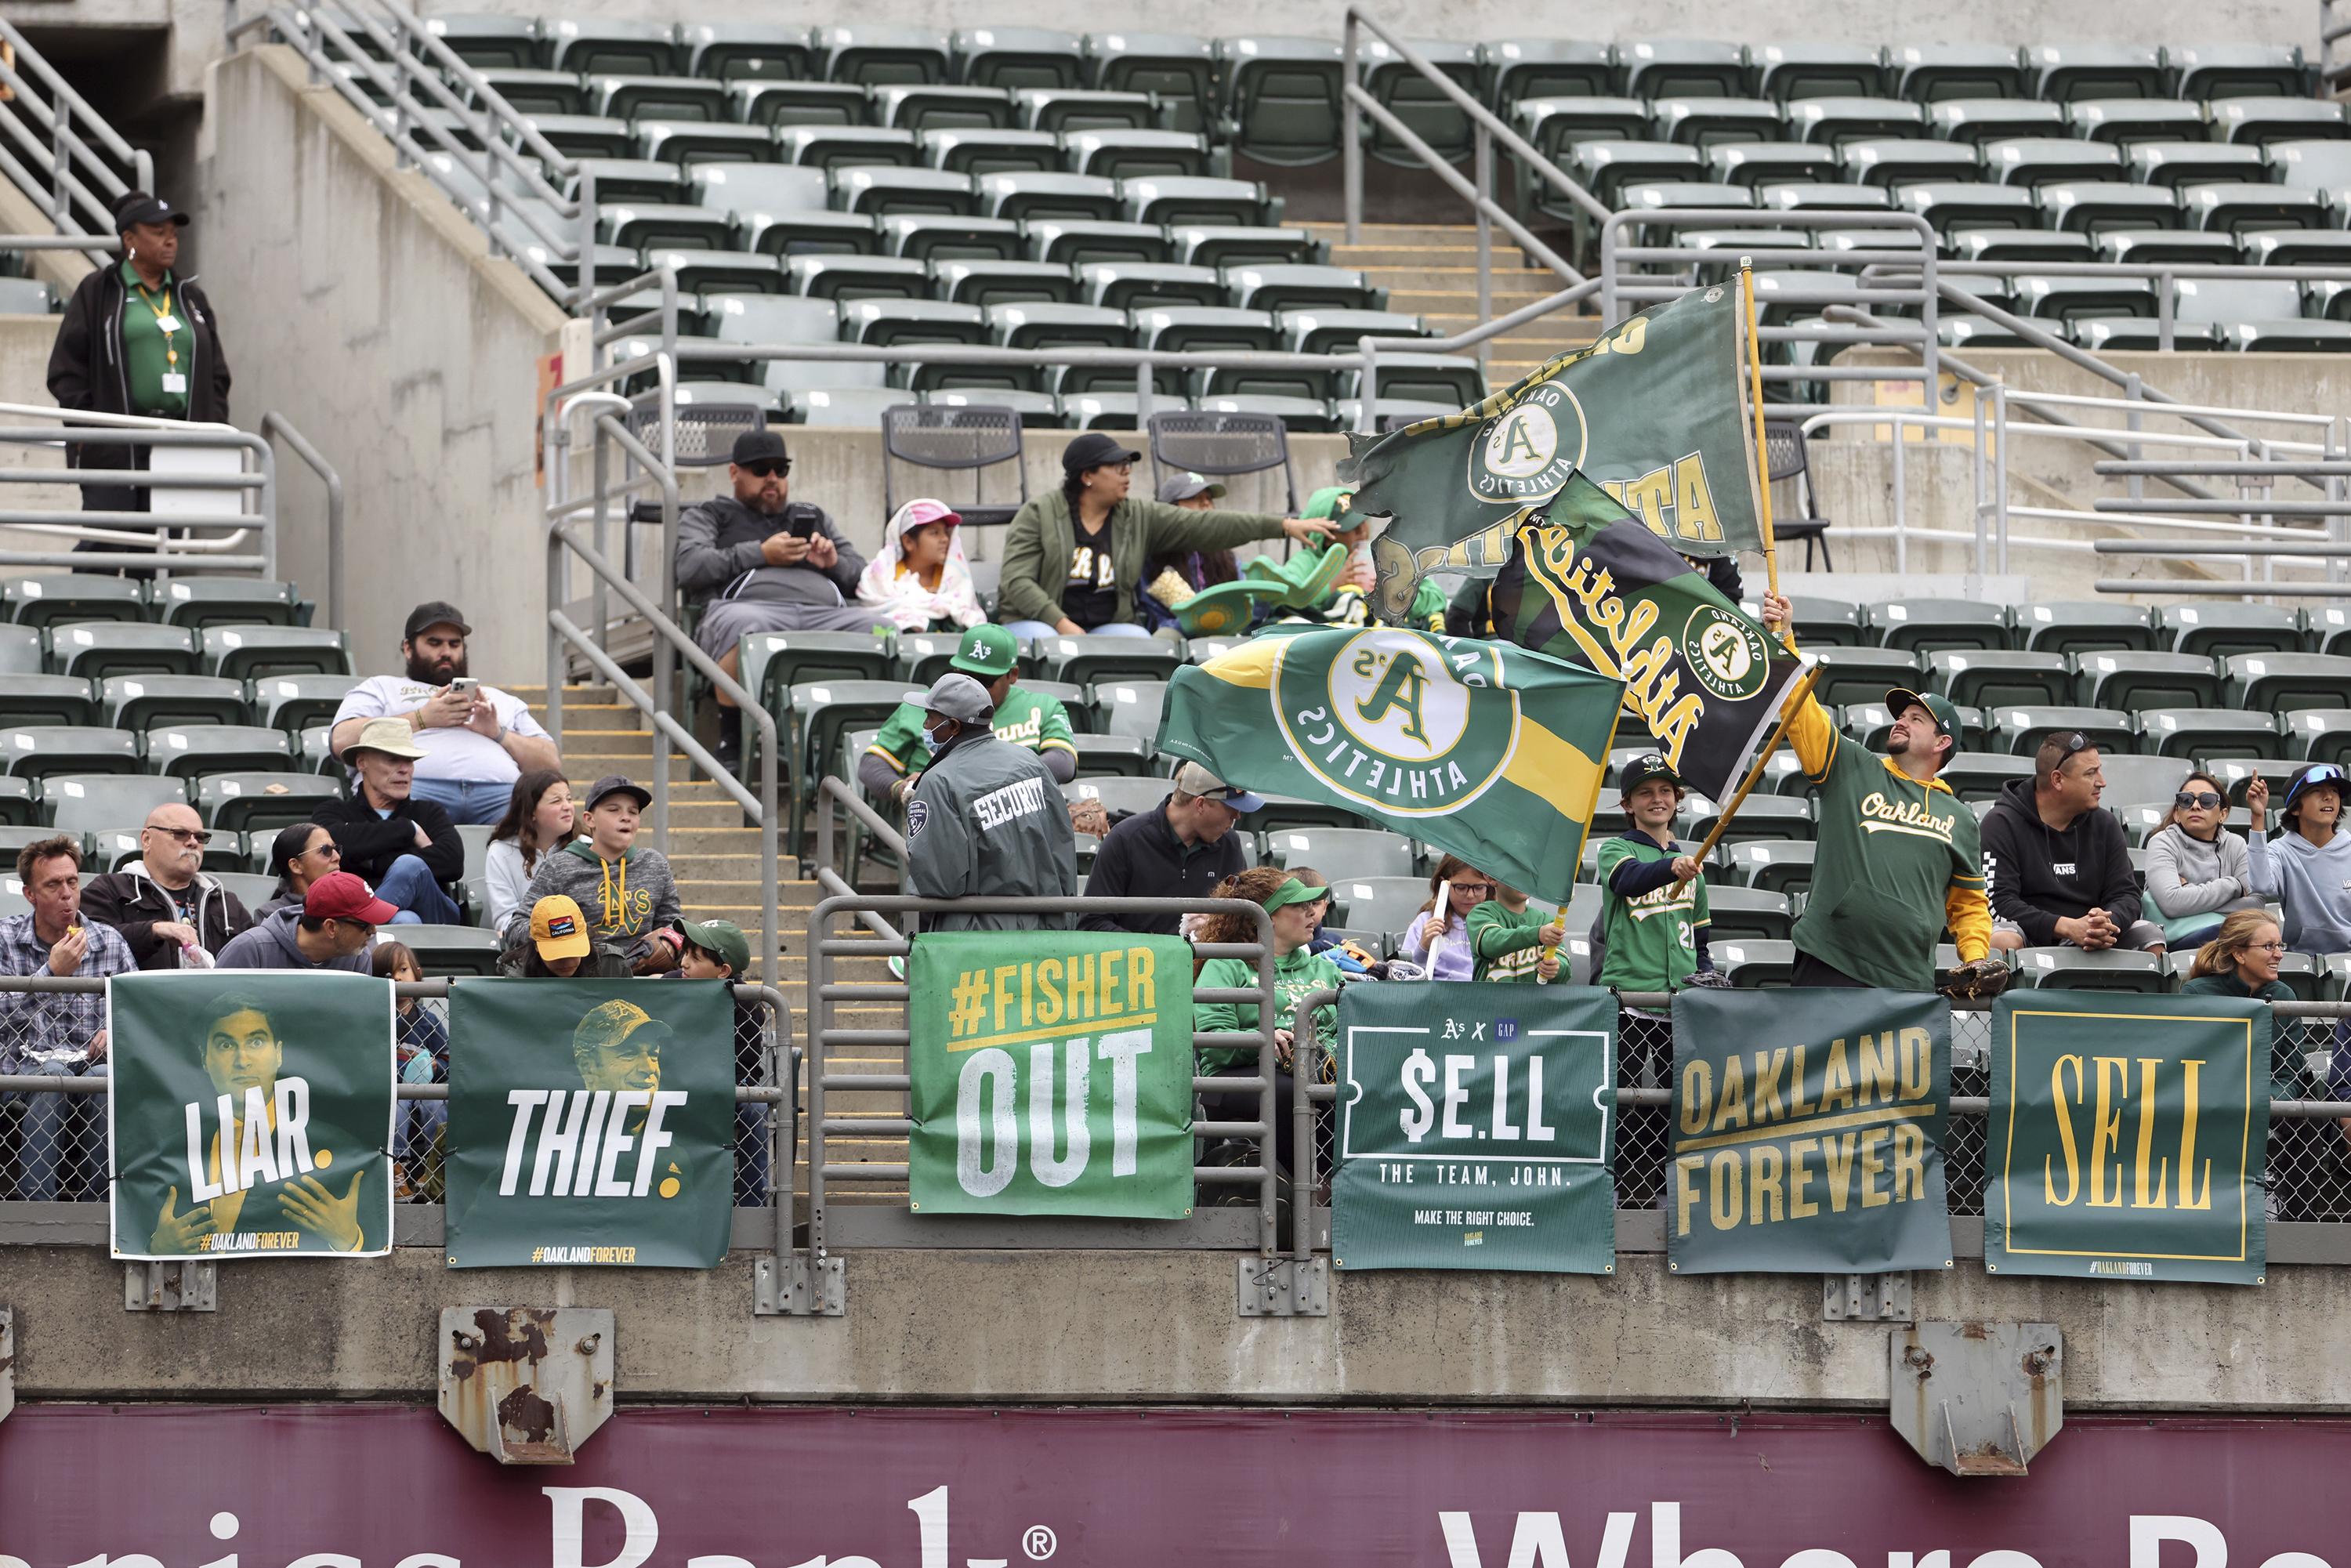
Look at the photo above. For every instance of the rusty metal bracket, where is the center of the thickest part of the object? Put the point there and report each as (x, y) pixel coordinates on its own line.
(792, 1287)
(187, 1286)
(527, 1386)
(1282, 1288)
(7, 1362)
(1977, 1399)
(1865, 1298)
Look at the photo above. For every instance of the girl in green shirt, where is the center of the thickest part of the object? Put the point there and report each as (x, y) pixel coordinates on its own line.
(1297, 970)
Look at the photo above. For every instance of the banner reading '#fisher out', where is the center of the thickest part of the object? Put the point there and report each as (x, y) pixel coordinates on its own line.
(590, 1122)
(250, 1114)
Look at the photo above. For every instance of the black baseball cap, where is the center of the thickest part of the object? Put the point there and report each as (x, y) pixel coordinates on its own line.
(615, 784)
(1094, 449)
(759, 446)
(1641, 769)
(140, 207)
(435, 613)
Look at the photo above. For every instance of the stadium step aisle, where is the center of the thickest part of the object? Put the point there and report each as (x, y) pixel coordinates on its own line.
(1430, 270)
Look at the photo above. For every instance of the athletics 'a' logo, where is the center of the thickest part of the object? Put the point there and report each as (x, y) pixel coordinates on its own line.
(1400, 721)
(1527, 452)
(1726, 653)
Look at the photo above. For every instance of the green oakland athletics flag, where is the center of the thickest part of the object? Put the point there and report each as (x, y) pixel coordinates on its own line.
(1491, 751)
(250, 1114)
(1051, 1074)
(1656, 411)
(1589, 584)
(1476, 1128)
(1808, 1133)
(2128, 1137)
(590, 1122)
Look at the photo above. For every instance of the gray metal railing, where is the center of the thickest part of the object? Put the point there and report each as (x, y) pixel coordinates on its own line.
(56, 150)
(241, 536)
(2334, 58)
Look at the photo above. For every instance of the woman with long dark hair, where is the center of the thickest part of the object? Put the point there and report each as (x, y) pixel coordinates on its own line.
(539, 819)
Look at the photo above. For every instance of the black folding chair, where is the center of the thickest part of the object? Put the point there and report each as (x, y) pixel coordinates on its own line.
(1784, 455)
(972, 439)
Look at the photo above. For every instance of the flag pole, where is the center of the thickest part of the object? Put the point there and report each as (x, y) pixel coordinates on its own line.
(1796, 694)
(1763, 452)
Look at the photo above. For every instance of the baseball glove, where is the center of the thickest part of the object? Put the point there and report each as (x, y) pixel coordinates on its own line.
(1976, 981)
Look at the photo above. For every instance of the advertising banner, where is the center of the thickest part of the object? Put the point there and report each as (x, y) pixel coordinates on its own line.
(250, 1114)
(1476, 1123)
(1808, 1133)
(1052, 1073)
(590, 1122)
(2128, 1137)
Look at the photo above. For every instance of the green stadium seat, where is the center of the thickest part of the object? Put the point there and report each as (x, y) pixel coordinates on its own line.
(2074, 969)
(249, 652)
(1827, 622)
(1119, 755)
(2137, 680)
(2209, 732)
(1748, 914)
(2130, 123)
(1117, 792)
(1975, 120)
(1898, 161)
(2204, 71)
(1307, 416)
(881, 55)
(2237, 774)
(1064, 112)
(1858, 675)
(2133, 780)
(1388, 413)
(2328, 628)
(2035, 160)
(986, 151)
(988, 283)
(923, 106)
(665, 226)
(1121, 153)
(2261, 121)
(1087, 661)
(35, 699)
(2319, 734)
(2189, 163)
(2219, 630)
(627, 180)
(1784, 866)
(1701, 122)
(2249, 207)
(612, 45)
(773, 319)
(1284, 811)
(1755, 964)
(1930, 73)
(1971, 246)
(1384, 903)
(89, 801)
(2062, 73)
(46, 601)
(2021, 730)
(1180, 68)
(2096, 207)
(719, 271)
(1980, 776)
(201, 601)
(812, 103)
(1949, 205)
(1674, 67)
(1191, 201)
(1094, 243)
(143, 703)
(1757, 164)
(2273, 683)
(1133, 285)
(2001, 677)
(1175, 328)
(1605, 168)
(262, 802)
(19, 806)
(1837, 121)
(488, 41)
(1129, 707)
(2137, 247)
(1056, 326)
(2072, 298)
(744, 190)
(1225, 245)
(833, 146)
(1360, 851)
(900, 323)
(845, 408)
(192, 750)
(1107, 411)
(747, 51)
(442, 950)
(95, 650)
(1555, 125)
(813, 716)
(586, 135)
(1455, 381)
(887, 190)
(773, 663)
(1919, 624)
(1784, 72)
(848, 278)
(1018, 57)
(1323, 329)
(37, 751)
(1425, 110)
(290, 703)
(2330, 336)
(658, 97)
(1774, 818)
(1282, 98)
(1050, 197)
(2077, 626)
(1513, 70)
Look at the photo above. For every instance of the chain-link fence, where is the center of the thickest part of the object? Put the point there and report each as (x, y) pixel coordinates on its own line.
(53, 1139)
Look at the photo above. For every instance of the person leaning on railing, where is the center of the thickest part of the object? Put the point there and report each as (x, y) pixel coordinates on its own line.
(57, 1033)
(1298, 970)
(1072, 558)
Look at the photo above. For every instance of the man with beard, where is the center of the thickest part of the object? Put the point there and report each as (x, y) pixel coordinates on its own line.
(477, 740)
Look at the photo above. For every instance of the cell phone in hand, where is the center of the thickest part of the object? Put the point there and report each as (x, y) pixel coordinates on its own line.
(800, 522)
(464, 685)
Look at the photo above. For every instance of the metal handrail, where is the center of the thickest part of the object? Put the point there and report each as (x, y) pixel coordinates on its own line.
(276, 426)
(66, 156)
(44, 426)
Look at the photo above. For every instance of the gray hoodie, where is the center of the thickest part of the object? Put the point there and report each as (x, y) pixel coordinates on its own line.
(625, 901)
(2191, 882)
(270, 946)
(2312, 883)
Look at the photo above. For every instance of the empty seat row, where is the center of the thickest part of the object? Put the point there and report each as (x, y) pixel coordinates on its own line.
(861, 407)
(2215, 630)
(254, 803)
(98, 649)
(39, 599)
(988, 282)
(291, 703)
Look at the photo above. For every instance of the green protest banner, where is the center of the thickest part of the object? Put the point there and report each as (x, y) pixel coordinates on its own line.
(1492, 752)
(1476, 1128)
(1808, 1133)
(2128, 1137)
(1051, 1073)
(250, 1114)
(590, 1122)
(1655, 412)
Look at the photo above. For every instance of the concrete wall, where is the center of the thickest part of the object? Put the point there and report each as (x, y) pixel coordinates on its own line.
(1098, 1325)
(365, 306)
(197, 24)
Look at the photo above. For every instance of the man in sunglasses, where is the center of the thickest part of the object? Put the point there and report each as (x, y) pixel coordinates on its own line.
(2057, 867)
(163, 903)
(757, 561)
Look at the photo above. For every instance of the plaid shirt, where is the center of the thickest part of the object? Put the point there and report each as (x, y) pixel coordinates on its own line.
(52, 1020)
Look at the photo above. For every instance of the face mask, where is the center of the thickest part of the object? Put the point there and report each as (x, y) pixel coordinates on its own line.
(932, 743)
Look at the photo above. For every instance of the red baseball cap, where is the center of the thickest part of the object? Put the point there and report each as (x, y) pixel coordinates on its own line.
(343, 895)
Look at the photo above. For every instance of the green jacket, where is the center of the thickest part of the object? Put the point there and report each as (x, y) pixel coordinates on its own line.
(1295, 974)
(1037, 547)
(2288, 1037)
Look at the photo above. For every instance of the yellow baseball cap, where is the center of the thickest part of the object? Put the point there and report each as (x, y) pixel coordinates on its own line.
(559, 927)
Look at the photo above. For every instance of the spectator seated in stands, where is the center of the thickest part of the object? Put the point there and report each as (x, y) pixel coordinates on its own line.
(475, 740)
(2198, 872)
(167, 909)
(137, 339)
(2241, 961)
(2056, 868)
(2306, 867)
(1182, 848)
(757, 561)
(629, 888)
(1073, 559)
(61, 1139)
(1297, 969)
(1511, 941)
(718, 950)
(299, 855)
(1347, 601)
(404, 847)
(919, 578)
(540, 819)
(984, 820)
(1178, 584)
(422, 1042)
(557, 947)
(333, 930)
(988, 655)
(1439, 944)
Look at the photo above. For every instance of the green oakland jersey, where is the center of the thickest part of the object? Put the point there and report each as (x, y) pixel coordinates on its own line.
(1026, 718)
(1507, 945)
(1651, 939)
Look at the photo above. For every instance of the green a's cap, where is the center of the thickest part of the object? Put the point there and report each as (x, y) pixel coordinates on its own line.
(722, 939)
(1325, 502)
(987, 650)
(1947, 715)
(610, 1023)
(1291, 891)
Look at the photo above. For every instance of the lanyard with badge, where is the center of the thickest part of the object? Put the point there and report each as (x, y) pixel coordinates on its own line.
(174, 378)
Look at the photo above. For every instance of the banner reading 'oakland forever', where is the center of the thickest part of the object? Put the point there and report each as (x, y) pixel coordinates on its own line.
(1051, 1073)
(2128, 1137)
(1808, 1133)
(1476, 1128)
(250, 1114)
(590, 1122)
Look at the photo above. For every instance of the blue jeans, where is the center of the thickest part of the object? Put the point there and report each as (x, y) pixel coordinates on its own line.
(1025, 628)
(62, 1139)
(475, 801)
(410, 885)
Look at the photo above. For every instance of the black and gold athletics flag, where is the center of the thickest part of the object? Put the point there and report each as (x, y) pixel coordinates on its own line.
(1587, 583)
(1655, 412)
